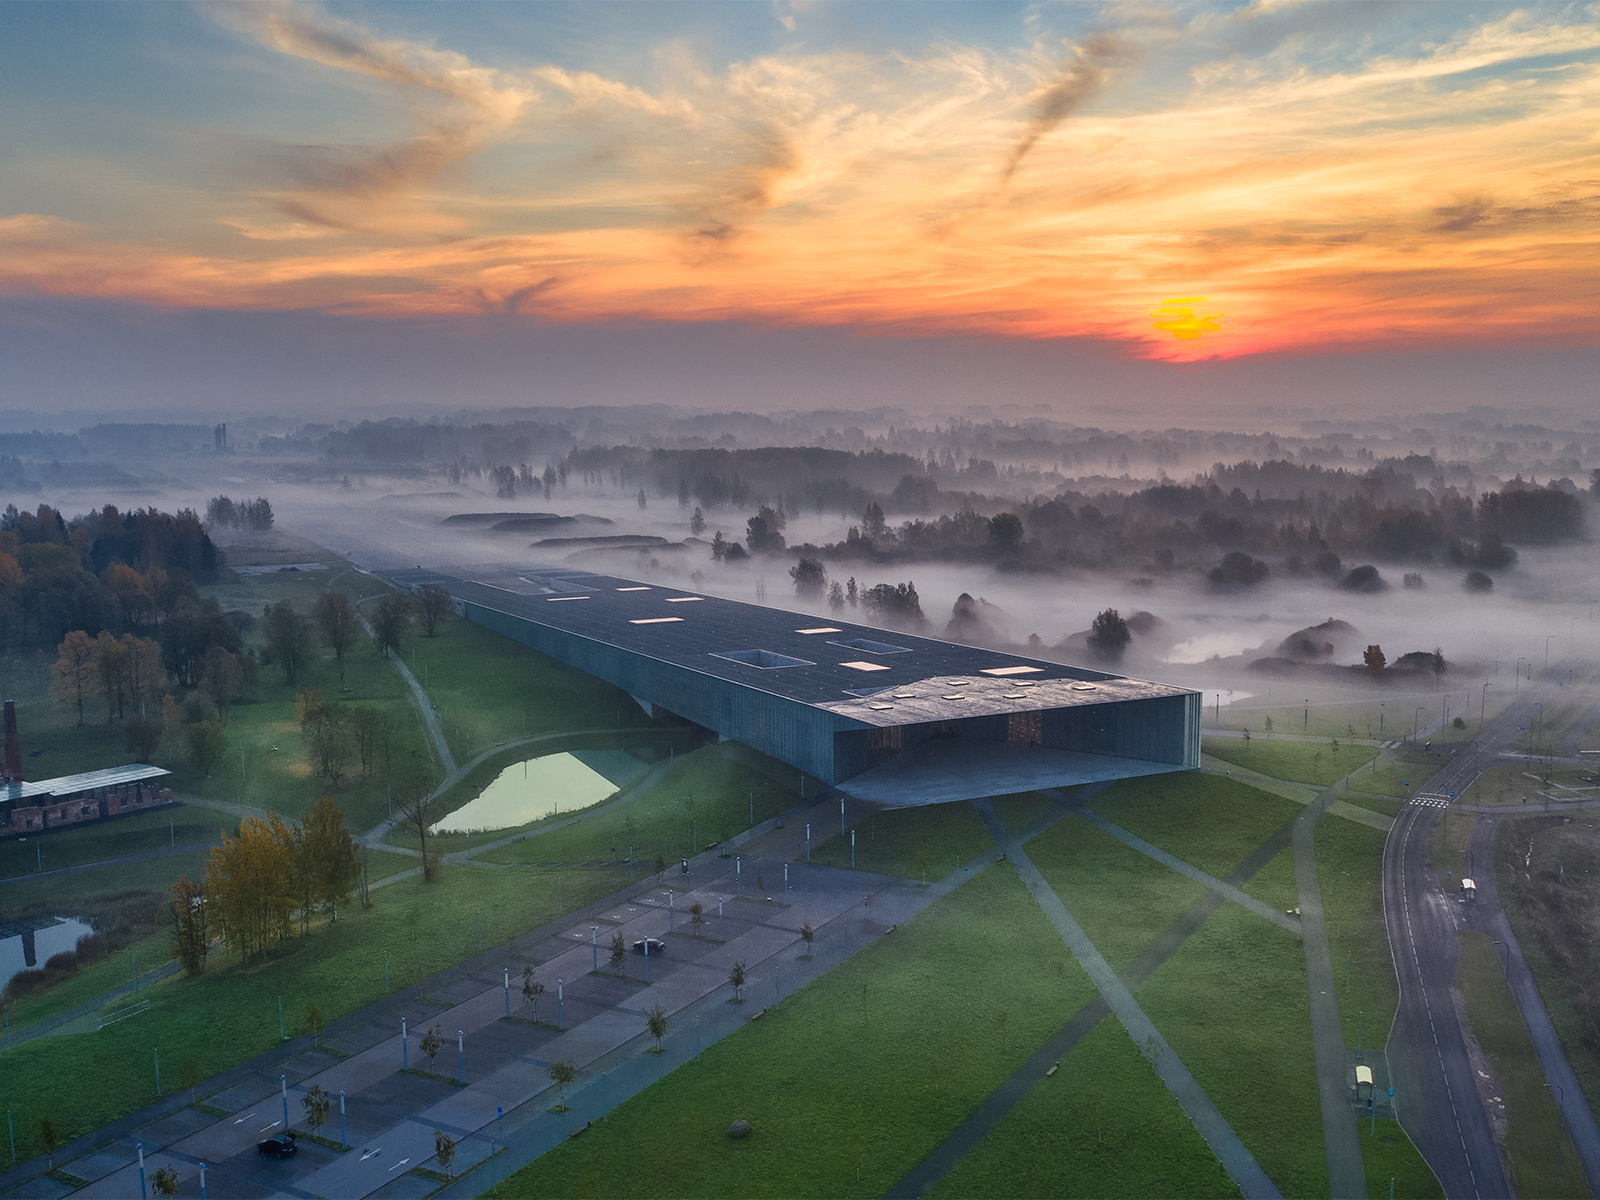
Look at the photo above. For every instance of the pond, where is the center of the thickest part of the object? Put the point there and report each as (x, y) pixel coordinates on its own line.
(30, 943)
(527, 791)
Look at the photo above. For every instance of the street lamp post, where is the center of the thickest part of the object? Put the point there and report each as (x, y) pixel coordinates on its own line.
(283, 1084)
(594, 945)
(1483, 705)
(1547, 638)
(142, 1194)
(344, 1133)
(1517, 686)
(1416, 724)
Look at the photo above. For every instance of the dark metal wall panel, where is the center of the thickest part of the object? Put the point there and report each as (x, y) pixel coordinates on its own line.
(795, 733)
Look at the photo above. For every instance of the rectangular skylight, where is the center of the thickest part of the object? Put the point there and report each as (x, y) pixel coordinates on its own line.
(765, 659)
(821, 629)
(1026, 683)
(683, 599)
(870, 646)
(1011, 671)
(559, 599)
(654, 620)
(633, 589)
(879, 707)
(864, 666)
(957, 696)
(905, 695)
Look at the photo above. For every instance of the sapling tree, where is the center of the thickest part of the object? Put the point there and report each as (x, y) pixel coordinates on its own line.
(444, 1149)
(619, 951)
(808, 935)
(431, 1044)
(562, 1075)
(316, 1102)
(655, 1020)
(697, 917)
(736, 979)
(532, 989)
(165, 1182)
(49, 1139)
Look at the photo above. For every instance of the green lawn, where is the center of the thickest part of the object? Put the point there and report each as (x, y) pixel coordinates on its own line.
(490, 689)
(138, 833)
(1398, 777)
(1023, 809)
(91, 982)
(1350, 867)
(922, 842)
(1124, 900)
(856, 1078)
(1232, 1003)
(711, 789)
(1530, 1108)
(1275, 883)
(230, 1014)
(1303, 762)
(1103, 1125)
(1208, 821)
(1390, 1158)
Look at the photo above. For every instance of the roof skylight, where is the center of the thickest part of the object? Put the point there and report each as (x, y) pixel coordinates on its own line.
(1011, 670)
(558, 599)
(634, 589)
(820, 629)
(870, 646)
(683, 599)
(864, 666)
(655, 620)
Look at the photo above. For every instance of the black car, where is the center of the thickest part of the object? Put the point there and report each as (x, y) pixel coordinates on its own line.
(279, 1145)
(657, 946)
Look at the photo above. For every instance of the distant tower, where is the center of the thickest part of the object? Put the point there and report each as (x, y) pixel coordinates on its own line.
(13, 767)
(220, 436)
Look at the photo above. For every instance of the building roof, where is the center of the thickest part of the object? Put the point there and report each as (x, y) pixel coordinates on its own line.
(73, 785)
(876, 676)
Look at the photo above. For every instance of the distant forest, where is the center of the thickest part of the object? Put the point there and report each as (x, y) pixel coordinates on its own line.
(106, 571)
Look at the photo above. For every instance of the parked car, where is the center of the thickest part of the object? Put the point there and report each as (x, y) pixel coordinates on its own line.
(657, 946)
(279, 1145)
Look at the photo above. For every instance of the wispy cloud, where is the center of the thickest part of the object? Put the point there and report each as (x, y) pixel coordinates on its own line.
(1436, 190)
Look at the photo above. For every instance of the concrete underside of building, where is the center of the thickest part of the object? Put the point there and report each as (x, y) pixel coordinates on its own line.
(889, 717)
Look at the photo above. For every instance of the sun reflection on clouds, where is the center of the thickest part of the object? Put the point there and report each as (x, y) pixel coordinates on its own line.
(829, 185)
(1178, 319)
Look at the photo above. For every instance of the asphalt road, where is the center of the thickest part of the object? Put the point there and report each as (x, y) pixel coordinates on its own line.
(1437, 1100)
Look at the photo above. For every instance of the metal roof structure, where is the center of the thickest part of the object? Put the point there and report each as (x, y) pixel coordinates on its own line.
(829, 696)
(77, 785)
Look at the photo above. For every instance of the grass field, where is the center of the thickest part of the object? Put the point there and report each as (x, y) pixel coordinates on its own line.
(1103, 1125)
(1450, 850)
(713, 787)
(1334, 717)
(1232, 1004)
(1391, 1160)
(1553, 904)
(1208, 821)
(229, 1014)
(1398, 777)
(1350, 866)
(1317, 763)
(1124, 900)
(922, 842)
(855, 1079)
(138, 833)
(1529, 1109)
(489, 689)
(93, 981)
(1275, 883)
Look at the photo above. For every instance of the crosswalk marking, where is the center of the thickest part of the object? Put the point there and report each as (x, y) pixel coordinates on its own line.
(1431, 800)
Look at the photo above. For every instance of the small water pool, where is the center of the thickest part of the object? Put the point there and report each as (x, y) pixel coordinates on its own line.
(528, 791)
(30, 943)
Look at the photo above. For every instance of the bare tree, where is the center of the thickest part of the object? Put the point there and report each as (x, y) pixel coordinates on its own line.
(417, 816)
(392, 620)
(444, 1149)
(338, 625)
(619, 951)
(433, 605)
(736, 979)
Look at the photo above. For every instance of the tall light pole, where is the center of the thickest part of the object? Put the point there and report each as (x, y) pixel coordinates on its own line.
(1416, 724)
(1518, 685)
(1547, 638)
(1483, 704)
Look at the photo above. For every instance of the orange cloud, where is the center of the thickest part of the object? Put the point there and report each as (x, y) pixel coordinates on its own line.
(1328, 208)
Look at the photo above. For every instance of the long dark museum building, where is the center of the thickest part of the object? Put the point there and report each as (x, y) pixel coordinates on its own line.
(885, 716)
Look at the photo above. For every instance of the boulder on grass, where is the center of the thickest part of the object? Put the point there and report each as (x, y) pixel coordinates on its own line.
(739, 1129)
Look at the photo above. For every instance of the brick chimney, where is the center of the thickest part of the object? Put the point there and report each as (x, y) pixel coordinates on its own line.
(13, 767)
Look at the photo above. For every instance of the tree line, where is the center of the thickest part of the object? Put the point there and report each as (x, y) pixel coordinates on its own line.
(266, 876)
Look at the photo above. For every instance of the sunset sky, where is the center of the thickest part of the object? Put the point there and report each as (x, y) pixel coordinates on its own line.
(1181, 183)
